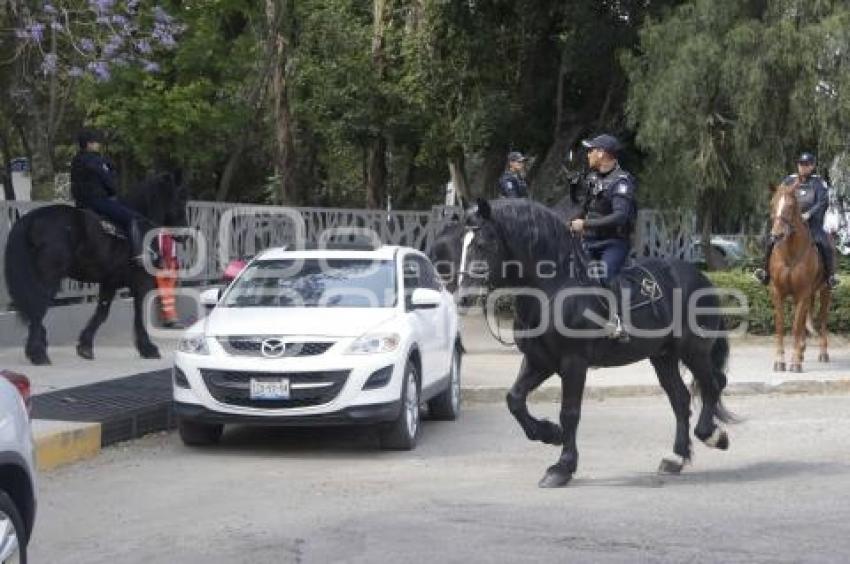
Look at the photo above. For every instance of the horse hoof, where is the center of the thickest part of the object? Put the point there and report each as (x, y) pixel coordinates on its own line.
(796, 367)
(39, 359)
(823, 357)
(723, 441)
(672, 464)
(85, 352)
(779, 366)
(150, 352)
(555, 478)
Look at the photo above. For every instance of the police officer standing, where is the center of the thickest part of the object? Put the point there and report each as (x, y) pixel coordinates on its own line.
(813, 197)
(611, 210)
(94, 187)
(512, 183)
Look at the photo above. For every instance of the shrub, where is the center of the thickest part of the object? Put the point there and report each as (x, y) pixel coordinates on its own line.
(760, 317)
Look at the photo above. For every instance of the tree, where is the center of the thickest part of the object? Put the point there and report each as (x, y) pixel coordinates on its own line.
(61, 42)
(724, 93)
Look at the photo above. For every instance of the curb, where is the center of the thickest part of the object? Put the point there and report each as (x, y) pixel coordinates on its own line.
(496, 394)
(59, 443)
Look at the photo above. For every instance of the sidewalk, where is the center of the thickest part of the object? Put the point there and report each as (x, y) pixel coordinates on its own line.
(120, 396)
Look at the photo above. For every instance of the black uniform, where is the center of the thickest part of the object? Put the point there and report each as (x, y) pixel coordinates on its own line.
(610, 218)
(512, 185)
(93, 186)
(92, 177)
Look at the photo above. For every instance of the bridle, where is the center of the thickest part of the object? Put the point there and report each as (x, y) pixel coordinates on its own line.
(488, 286)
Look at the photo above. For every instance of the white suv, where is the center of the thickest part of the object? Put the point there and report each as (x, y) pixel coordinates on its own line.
(17, 470)
(322, 337)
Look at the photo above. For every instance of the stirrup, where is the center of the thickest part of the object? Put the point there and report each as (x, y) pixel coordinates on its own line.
(616, 330)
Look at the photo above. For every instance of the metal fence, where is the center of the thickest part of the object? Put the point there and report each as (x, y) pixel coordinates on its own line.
(229, 231)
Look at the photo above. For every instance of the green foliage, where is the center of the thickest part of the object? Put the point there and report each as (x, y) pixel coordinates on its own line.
(725, 93)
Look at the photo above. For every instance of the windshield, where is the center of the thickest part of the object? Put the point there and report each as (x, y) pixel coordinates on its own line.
(315, 283)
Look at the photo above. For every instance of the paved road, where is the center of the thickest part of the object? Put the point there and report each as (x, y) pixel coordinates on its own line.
(468, 494)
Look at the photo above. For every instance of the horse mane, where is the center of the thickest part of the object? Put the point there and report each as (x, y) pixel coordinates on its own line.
(533, 230)
(149, 195)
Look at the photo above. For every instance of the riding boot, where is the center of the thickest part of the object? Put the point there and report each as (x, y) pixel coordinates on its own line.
(136, 236)
(763, 274)
(828, 264)
(616, 330)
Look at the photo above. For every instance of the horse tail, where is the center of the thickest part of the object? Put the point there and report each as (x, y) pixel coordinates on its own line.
(719, 361)
(29, 296)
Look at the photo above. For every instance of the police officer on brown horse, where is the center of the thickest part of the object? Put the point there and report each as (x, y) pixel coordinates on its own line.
(813, 197)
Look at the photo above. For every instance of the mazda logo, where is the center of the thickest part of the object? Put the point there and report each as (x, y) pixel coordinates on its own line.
(273, 348)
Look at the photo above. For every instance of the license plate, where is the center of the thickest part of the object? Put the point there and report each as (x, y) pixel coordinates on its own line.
(270, 389)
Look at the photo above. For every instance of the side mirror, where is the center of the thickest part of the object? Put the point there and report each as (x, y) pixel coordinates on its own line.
(425, 298)
(209, 298)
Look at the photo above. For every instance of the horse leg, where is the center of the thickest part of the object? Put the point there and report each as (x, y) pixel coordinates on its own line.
(798, 329)
(823, 316)
(707, 430)
(528, 380)
(140, 288)
(667, 369)
(779, 328)
(573, 375)
(36, 347)
(85, 343)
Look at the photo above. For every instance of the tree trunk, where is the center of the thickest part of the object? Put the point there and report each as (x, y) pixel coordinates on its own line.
(6, 170)
(485, 179)
(376, 172)
(230, 170)
(278, 13)
(376, 157)
(545, 180)
(457, 171)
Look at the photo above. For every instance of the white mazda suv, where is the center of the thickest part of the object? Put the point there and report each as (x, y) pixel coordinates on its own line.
(322, 337)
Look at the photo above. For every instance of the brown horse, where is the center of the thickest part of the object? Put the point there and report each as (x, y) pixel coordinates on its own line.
(796, 272)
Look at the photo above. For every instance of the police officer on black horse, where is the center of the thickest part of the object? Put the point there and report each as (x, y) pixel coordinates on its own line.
(94, 187)
(611, 212)
(512, 183)
(813, 197)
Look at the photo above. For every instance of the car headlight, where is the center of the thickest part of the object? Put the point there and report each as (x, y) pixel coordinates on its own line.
(193, 344)
(375, 343)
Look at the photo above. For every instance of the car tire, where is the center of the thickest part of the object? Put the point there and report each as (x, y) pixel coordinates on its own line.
(446, 406)
(193, 433)
(403, 433)
(12, 531)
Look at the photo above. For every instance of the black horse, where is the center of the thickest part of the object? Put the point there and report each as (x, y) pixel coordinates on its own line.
(447, 249)
(61, 241)
(521, 244)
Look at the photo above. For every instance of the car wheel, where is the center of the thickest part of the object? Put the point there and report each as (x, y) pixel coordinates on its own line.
(402, 433)
(13, 544)
(193, 433)
(446, 406)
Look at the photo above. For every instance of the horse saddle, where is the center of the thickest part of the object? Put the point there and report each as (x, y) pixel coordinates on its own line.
(105, 224)
(639, 285)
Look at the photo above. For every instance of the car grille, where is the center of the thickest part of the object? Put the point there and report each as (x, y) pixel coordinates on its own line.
(306, 388)
(253, 346)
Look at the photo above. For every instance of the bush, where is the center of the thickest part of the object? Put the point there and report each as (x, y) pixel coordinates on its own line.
(760, 317)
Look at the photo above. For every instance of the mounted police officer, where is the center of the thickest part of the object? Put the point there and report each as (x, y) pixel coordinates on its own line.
(813, 197)
(611, 210)
(94, 187)
(512, 183)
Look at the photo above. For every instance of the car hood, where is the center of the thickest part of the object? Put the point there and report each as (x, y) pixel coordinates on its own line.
(325, 322)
